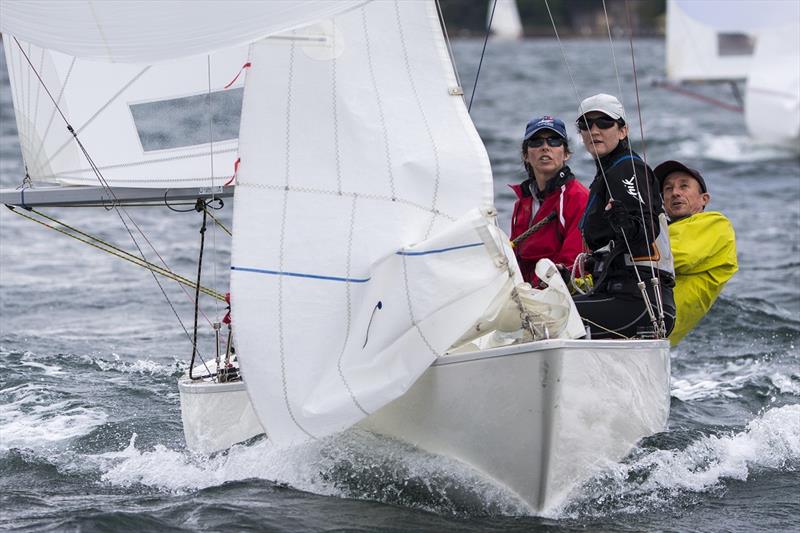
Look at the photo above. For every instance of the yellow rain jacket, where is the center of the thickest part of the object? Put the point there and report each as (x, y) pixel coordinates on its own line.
(704, 250)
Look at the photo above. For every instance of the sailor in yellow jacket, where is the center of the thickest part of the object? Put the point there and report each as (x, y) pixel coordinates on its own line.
(703, 245)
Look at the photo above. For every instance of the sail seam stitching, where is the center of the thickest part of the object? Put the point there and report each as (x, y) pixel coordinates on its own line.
(349, 312)
(411, 309)
(287, 167)
(425, 122)
(379, 102)
(343, 193)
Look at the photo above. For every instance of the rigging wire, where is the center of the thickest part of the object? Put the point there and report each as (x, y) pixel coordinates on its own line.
(115, 205)
(447, 41)
(483, 52)
(107, 247)
(602, 171)
(204, 204)
(654, 272)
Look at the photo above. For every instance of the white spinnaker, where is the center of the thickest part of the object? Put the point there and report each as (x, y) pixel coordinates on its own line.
(167, 144)
(145, 31)
(352, 153)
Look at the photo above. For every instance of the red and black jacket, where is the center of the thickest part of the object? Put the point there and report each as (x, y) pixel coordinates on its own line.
(559, 240)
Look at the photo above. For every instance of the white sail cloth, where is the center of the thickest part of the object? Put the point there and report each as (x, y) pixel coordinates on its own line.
(708, 39)
(358, 256)
(145, 85)
(143, 31)
(142, 125)
(772, 98)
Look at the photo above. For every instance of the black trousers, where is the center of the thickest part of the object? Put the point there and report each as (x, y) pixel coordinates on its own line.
(616, 309)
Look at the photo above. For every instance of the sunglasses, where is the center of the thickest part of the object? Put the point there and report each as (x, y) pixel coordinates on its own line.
(538, 142)
(585, 124)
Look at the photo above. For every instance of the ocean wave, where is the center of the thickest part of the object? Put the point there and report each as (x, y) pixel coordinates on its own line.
(355, 464)
(733, 378)
(658, 478)
(138, 366)
(32, 416)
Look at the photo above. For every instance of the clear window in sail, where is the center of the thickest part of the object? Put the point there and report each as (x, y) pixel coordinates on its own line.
(735, 44)
(188, 121)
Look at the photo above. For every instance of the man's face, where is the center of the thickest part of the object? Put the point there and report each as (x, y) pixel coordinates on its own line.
(683, 196)
(601, 141)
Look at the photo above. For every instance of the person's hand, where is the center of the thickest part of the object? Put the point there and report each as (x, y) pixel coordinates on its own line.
(566, 275)
(617, 215)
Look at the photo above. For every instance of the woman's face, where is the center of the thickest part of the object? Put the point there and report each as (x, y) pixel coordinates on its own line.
(546, 160)
(600, 141)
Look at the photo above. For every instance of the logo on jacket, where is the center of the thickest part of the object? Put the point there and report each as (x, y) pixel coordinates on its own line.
(630, 187)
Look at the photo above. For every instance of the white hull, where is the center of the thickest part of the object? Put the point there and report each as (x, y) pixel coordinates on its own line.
(538, 418)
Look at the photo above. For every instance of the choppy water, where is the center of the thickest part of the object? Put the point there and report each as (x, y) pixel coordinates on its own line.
(90, 431)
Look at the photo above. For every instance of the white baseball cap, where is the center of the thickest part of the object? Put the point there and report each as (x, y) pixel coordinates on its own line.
(605, 103)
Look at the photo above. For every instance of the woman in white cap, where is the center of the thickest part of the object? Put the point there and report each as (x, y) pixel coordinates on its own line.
(551, 197)
(624, 225)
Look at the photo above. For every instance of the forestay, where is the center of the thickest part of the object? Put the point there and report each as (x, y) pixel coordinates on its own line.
(359, 255)
(147, 86)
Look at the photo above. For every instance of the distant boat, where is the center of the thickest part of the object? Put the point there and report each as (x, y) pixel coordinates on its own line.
(369, 281)
(505, 23)
(752, 42)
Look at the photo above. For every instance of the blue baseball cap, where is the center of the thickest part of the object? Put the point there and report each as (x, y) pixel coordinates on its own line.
(545, 123)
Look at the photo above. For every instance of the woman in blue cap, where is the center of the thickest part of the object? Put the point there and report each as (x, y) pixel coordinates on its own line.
(550, 200)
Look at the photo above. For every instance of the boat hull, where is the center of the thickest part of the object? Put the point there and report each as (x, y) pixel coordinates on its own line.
(538, 418)
(216, 415)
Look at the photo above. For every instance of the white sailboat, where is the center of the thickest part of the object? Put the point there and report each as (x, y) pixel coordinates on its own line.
(504, 20)
(369, 282)
(757, 42)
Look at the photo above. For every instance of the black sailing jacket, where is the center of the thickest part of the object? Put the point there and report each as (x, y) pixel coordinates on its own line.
(620, 166)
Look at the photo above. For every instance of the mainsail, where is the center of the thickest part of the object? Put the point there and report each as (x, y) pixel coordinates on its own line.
(358, 253)
(145, 85)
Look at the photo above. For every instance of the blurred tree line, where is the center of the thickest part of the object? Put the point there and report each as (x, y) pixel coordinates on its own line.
(572, 17)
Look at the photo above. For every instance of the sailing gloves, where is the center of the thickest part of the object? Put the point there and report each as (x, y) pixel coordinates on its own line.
(621, 221)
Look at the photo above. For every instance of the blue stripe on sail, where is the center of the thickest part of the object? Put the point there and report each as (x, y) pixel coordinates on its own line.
(299, 274)
(441, 250)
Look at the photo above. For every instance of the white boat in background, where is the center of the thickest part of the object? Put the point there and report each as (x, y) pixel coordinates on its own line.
(369, 282)
(504, 20)
(755, 41)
